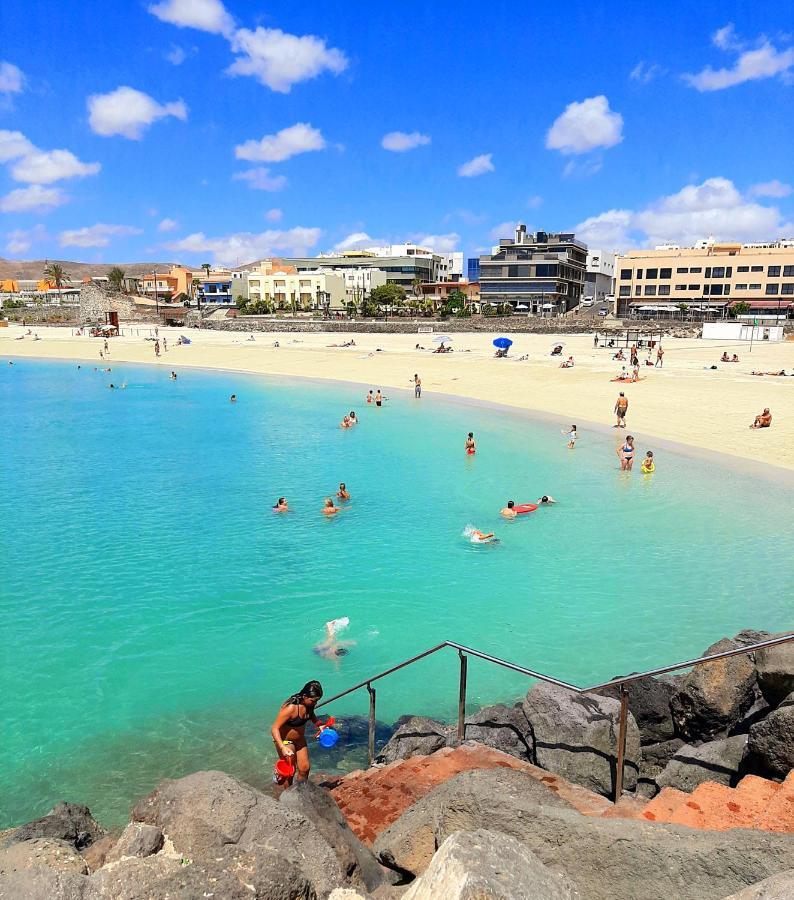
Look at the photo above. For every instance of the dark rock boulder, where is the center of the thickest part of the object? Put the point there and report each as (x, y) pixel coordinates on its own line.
(649, 703)
(576, 736)
(68, 822)
(418, 736)
(137, 839)
(504, 728)
(718, 761)
(483, 864)
(208, 811)
(770, 745)
(319, 807)
(607, 859)
(41, 852)
(775, 667)
(714, 696)
(655, 758)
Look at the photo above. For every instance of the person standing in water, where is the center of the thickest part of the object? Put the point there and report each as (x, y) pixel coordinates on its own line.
(329, 509)
(626, 454)
(378, 398)
(370, 397)
(417, 387)
(343, 493)
(470, 445)
(508, 512)
(281, 505)
(572, 436)
(289, 726)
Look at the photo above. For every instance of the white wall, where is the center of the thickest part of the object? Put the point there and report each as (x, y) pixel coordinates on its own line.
(740, 331)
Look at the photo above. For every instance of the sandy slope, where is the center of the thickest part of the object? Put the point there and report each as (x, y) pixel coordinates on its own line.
(682, 402)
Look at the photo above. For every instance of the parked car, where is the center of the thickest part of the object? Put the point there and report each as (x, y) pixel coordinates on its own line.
(587, 302)
(603, 312)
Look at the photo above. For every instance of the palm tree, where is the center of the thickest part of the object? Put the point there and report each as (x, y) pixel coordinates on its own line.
(56, 273)
(206, 267)
(116, 278)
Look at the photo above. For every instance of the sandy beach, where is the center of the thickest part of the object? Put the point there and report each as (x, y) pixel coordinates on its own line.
(685, 401)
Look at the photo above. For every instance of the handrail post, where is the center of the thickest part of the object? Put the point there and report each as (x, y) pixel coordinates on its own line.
(624, 711)
(371, 735)
(464, 664)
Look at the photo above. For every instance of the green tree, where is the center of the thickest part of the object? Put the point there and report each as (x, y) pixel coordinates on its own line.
(116, 278)
(388, 295)
(206, 267)
(740, 309)
(56, 273)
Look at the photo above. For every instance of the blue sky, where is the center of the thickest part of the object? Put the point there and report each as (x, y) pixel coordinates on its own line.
(194, 130)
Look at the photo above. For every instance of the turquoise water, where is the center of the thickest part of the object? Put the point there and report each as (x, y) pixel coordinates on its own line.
(155, 611)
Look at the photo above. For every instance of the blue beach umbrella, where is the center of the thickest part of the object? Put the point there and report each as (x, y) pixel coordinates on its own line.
(502, 343)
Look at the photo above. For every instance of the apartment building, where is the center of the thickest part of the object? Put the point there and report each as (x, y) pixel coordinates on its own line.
(541, 273)
(167, 285)
(599, 279)
(305, 290)
(707, 279)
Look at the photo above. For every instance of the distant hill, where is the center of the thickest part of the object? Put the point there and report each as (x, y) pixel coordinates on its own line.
(34, 268)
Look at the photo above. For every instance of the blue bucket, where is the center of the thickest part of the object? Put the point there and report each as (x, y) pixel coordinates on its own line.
(328, 738)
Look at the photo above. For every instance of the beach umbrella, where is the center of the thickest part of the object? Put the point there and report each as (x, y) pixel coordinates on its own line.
(502, 343)
(442, 339)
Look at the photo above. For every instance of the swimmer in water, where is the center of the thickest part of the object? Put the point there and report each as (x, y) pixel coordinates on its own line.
(648, 465)
(370, 397)
(508, 512)
(173, 376)
(545, 500)
(343, 493)
(233, 398)
(470, 445)
(352, 417)
(378, 398)
(346, 423)
(480, 537)
(281, 505)
(329, 509)
(332, 647)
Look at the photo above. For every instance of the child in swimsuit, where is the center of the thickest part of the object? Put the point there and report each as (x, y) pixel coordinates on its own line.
(648, 464)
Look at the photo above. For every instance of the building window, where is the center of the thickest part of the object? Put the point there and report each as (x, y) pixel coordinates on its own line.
(744, 269)
(638, 290)
(788, 288)
(717, 272)
(755, 287)
(694, 287)
(681, 271)
(708, 272)
(716, 290)
(741, 287)
(680, 287)
(727, 290)
(625, 291)
(639, 273)
(664, 290)
(696, 270)
(788, 271)
(773, 272)
(650, 290)
(625, 274)
(756, 268)
(665, 273)
(651, 273)
(773, 288)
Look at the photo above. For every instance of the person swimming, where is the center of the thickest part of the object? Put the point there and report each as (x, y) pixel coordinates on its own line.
(476, 536)
(343, 493)
(353, 418)
(233, 398)
(508, 512)
(281, 505)
(332, 647)
(346, 423)
(545, 500)
(329, 509)
(470, 445)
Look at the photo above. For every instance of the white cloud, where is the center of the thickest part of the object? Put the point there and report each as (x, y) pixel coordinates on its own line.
(582, 168)
(535, 201)
(441, 243)
(773, 188)
(260, 179)
(98, 235)
(129, 112)
(503, 230)
(14, 144)
(205, 15)
(725, 38)
(247, 247)
(358, 240)
(713, 207)
(176, 55)
(168, 225)
(477, 166)
(584, 126)
(298, 138)
(47, 166)
(32, 198)
(11, 79)
(764, 61)
(400, 141)
(274, 215)
(21, 240)
(278, 60)
(643, 72)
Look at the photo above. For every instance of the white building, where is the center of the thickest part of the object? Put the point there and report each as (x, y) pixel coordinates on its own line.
(445, 266)
(313, 290)
(360, 282)
(599, 281)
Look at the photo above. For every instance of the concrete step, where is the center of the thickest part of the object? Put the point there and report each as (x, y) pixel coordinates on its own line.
(713, 807)
(664, 804)
(779, 812)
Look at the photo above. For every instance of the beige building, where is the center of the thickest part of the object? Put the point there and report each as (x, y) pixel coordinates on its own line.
(707, 280)
(308, 291)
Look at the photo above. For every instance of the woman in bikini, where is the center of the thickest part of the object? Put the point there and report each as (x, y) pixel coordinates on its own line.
(626, 454)
(471, 447)
(290, 724)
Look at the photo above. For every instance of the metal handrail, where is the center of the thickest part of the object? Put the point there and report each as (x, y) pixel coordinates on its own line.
(464, 652)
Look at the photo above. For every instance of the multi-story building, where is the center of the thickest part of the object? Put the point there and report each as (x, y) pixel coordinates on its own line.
(473, 269)
(439, 291)
(308, 291)
(708, 280)
(167, 286)
(542, 273)
(599, 279)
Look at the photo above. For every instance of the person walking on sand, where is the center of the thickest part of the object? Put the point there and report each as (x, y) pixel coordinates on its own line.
(625, 454)
(288, 729)
(157, 348)
(621, 407)
(417, 387)
(660, 357)
(470, 445)
(107, 349)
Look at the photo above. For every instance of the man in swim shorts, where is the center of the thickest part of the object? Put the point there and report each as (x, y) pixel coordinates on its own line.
(508, 512)
(417, 387)
(621, 406)
(764, 420)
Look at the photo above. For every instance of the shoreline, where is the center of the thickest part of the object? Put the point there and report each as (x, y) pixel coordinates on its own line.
(505, 386)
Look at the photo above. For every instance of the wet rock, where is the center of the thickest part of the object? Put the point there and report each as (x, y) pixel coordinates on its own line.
(42, 852)
(775, 667)
(714, 696)
(607, 859)
(717, 761)
(137, 839)
(69, 822)
(576, 736)
(770, 745)
(649, 703)
(471, 865)
(502, 727)
(418, 736)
